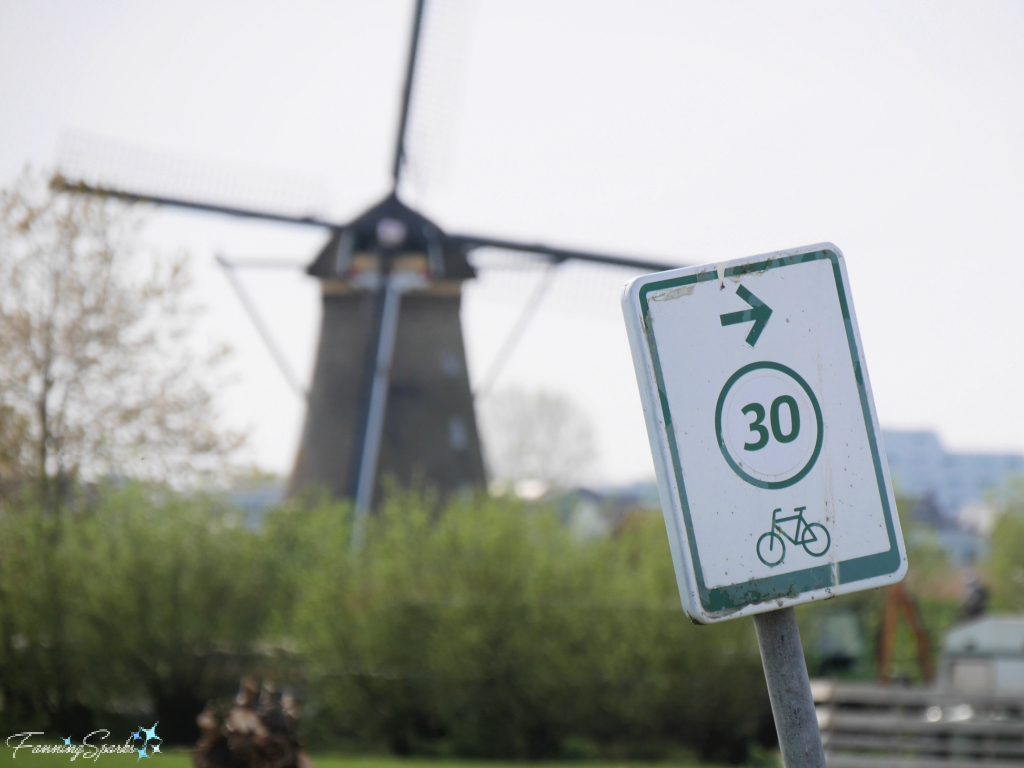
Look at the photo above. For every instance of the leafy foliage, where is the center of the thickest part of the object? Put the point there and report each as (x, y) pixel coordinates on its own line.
(483, 629)
(1004, 566)
(136, 598)
(489, 631)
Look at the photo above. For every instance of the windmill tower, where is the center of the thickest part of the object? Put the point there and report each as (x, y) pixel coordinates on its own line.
(390, 395)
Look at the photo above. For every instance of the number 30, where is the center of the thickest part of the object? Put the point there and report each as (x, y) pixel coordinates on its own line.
(758, 427)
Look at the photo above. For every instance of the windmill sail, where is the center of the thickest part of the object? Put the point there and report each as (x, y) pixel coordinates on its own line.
(390, 395)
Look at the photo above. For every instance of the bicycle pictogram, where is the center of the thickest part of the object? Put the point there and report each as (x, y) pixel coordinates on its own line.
(813, 537)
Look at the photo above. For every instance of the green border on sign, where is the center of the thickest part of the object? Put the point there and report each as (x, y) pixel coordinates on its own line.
(771, 486)
(736, 596)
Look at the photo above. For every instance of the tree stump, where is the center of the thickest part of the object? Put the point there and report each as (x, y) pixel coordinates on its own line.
(258, 731)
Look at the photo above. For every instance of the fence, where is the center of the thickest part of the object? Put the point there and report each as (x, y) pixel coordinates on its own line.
(872, 726)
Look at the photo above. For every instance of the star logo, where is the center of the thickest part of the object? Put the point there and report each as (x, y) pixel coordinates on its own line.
(67, 741)
(151, 736)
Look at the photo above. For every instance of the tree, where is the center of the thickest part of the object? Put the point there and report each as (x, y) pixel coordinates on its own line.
(97, 379)
(141, 596)
(487, 629)
(171, 597)
(1004, 566)
(536, 437)
(95, 375)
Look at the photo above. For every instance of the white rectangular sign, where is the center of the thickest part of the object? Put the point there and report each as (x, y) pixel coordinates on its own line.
(772, 476)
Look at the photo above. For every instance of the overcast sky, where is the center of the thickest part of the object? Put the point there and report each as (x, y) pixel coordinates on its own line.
(691, 133)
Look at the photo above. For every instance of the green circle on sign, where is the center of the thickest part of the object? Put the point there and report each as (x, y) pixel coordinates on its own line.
(817, 417)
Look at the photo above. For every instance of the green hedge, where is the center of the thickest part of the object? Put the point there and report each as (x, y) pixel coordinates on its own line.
(127, 602)
(483, 629)
(488, 630)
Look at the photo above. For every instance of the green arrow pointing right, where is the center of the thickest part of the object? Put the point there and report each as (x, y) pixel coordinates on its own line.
(759, 314)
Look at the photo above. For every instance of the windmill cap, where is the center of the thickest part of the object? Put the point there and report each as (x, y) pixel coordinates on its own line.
(388, 229)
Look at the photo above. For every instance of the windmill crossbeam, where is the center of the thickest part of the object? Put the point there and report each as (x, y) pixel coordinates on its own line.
(59, 183)
(469, 242)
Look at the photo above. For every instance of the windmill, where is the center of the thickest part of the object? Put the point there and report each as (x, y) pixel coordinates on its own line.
(390, 394)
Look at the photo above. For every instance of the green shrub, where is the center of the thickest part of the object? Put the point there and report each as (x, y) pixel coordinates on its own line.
(485, 629)
(139, 600)
(488, 631)
(1004, 566)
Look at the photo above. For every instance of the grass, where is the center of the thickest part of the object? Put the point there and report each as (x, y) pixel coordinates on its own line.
(182, 759)
(326, 761)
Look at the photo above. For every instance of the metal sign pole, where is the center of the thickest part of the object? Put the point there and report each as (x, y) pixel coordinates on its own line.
(789, 688)
(717, 368)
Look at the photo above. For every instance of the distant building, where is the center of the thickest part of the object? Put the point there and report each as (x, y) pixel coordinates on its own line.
(599, 513)
(984, 656)
(921, 468)
(255, 497)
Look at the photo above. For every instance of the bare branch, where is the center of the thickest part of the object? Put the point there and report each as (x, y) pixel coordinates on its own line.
(96, 376)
